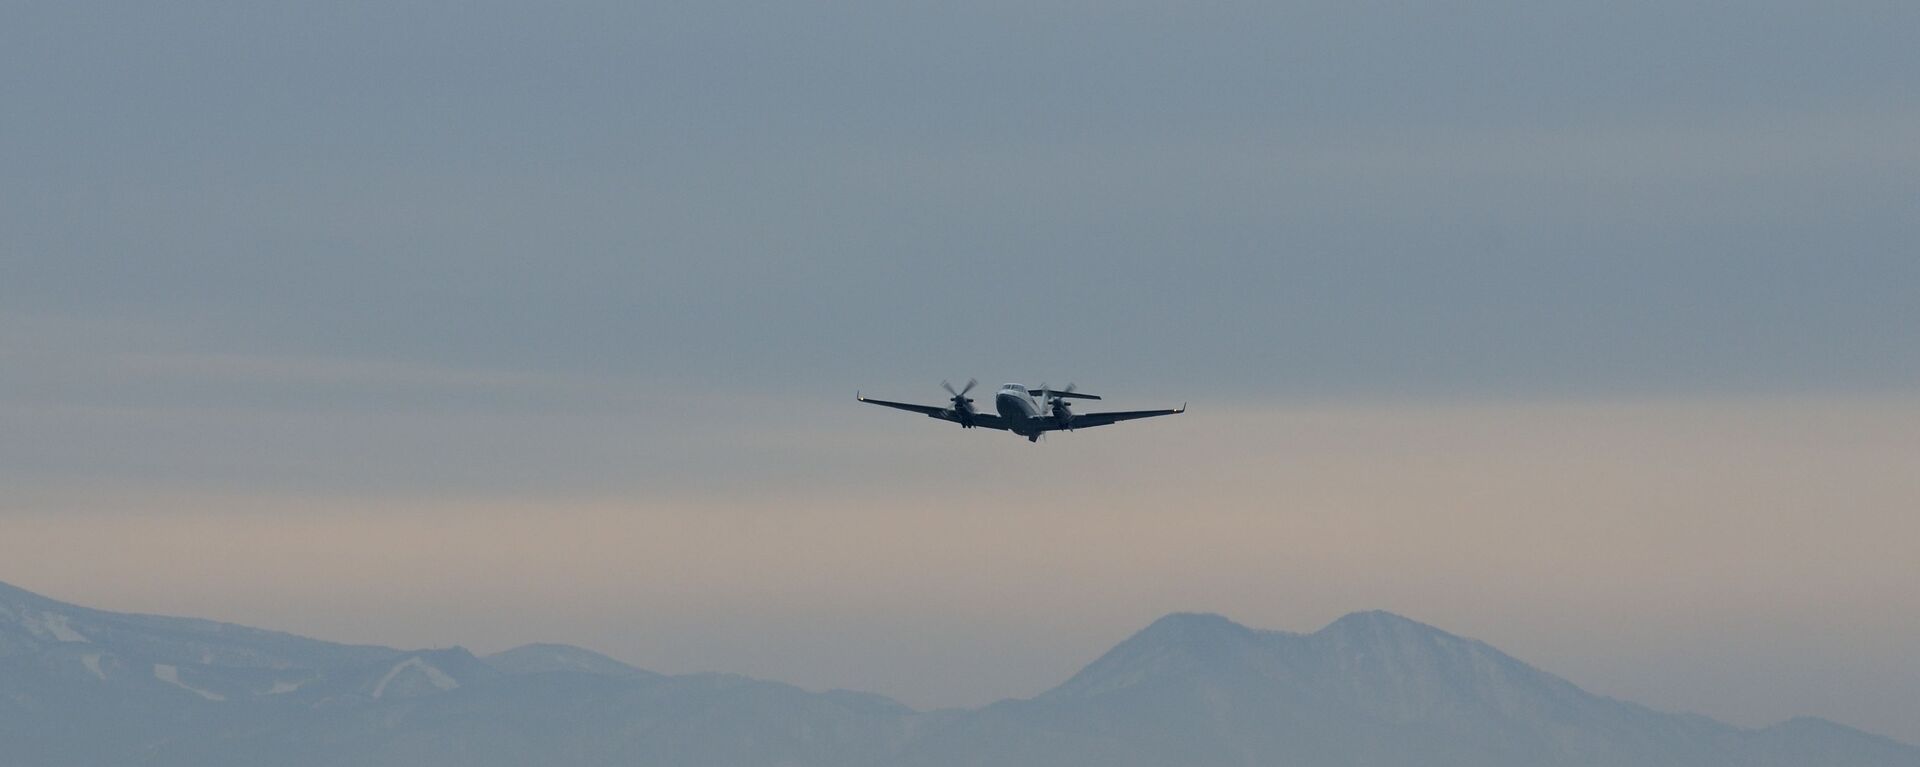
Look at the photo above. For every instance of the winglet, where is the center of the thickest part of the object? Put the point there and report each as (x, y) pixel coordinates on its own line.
(857, 397)
(1183, 407)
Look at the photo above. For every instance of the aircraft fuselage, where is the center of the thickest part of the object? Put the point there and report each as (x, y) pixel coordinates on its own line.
(1016, 405)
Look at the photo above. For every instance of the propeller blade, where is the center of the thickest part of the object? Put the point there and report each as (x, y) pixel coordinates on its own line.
(949, 388)
(971, 382)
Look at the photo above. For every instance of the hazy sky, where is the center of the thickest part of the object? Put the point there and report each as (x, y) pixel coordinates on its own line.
(1592, 331)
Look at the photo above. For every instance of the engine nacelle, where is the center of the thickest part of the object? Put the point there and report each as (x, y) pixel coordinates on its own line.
(962, 412)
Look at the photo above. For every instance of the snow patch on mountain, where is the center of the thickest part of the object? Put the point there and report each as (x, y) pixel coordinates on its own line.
(171, 675)
(53, 626)
(439, 679)
(92, 662)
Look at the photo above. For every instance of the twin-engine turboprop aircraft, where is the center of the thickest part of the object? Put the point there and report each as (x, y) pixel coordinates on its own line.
(1018, 412)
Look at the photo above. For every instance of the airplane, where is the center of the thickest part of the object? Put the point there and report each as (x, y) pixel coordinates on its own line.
(1017, 411)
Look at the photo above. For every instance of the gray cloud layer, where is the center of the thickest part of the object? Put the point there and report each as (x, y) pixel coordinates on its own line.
(1312, 198)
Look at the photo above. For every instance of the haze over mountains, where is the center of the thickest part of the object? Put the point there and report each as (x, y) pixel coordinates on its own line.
(87, 687)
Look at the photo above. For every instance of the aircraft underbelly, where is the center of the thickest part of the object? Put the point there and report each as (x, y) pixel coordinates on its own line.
(1015, 409)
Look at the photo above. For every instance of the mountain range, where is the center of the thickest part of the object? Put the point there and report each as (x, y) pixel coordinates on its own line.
(88, 687)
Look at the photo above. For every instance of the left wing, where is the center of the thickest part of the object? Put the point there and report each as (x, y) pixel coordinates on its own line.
(983, 420)
(1090, 420)
(932, 410)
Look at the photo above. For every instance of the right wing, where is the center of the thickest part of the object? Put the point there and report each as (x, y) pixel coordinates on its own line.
(984, 420)
(1090, 420)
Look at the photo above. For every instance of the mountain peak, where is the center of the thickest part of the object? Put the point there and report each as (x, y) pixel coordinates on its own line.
(1393, 667)
(1373, 621)
(544, 657)
(1187, 625)
(1202, 635)
(1176, 645)
(1384, 632)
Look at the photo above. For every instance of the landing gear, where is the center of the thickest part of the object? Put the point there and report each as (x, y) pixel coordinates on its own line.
(1033, 438)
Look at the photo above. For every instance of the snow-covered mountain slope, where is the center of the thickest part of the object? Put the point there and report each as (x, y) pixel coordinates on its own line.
(30, 623)
(86, 687)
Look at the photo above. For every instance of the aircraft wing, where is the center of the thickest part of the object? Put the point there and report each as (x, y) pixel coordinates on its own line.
(984, 420)
(932, 410)
(1089, 420)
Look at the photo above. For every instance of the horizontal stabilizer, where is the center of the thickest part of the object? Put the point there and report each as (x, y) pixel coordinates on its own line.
(1064, 394)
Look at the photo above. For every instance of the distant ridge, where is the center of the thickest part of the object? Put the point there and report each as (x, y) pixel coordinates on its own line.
(88, 687)
(545, 658)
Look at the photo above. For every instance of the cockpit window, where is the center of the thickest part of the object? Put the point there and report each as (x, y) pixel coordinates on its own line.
(1015, 387)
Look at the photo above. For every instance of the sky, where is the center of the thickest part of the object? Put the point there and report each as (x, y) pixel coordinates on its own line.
(1589, 331)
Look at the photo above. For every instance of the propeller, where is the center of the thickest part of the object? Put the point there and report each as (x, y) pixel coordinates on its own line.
(962, 404)
(1055, 404)
(1050, 393)
(961, 395)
